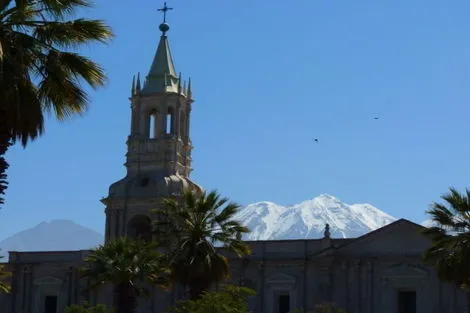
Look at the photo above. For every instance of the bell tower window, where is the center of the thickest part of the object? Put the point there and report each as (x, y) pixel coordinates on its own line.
(153, 124)
(169, 123)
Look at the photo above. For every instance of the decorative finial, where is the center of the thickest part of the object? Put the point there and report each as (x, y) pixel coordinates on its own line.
(137, 85)
(327, 232)
(133, 86)
(189, 88)
(179, 83)
(164, 27)
(184, 88)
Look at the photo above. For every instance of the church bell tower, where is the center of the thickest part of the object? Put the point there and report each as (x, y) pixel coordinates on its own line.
(158, 159)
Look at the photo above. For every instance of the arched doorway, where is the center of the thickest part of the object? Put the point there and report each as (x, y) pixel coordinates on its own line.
(140, 226)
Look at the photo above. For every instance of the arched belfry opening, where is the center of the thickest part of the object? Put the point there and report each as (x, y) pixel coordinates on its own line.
(140, 227)
(153, 124)
(170, 121)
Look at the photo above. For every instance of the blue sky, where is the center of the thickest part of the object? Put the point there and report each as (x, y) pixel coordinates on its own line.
(269, 76)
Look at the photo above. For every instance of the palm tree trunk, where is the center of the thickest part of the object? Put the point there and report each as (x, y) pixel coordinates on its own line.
(5, 142)
(125, 299)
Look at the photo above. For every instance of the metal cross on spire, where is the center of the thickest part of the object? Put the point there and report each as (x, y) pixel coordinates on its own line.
(164, 10)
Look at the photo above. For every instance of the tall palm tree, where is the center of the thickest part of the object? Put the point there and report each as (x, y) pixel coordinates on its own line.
(39, 72)
(128, 265)
(190, 229)
(4, 274)
(450, 251)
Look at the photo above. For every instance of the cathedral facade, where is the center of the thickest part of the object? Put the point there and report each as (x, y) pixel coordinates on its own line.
(380, 272)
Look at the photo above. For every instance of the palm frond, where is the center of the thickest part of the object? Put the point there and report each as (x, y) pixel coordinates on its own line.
(35, 75)
(60, 9)
(124, 260)
(192, 228)
(450, 250)
(4, 276)
(73, 33)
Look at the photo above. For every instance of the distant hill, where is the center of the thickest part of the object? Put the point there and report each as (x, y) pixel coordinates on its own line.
(52, 236)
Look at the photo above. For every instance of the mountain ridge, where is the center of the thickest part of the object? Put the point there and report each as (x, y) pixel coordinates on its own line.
(53, 235)
(307, 219)
(266, 220)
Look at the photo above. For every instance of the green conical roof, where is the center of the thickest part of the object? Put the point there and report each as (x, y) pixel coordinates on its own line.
(162, 69)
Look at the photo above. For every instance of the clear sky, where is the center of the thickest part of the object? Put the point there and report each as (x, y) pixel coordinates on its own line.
(268, 77)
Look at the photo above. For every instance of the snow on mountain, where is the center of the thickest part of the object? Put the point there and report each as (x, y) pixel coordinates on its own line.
(52, 236)
(266, 220)
(428, 223)
(270, 221)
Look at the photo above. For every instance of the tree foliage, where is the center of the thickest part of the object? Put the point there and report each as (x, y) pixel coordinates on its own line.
(85, 307)
(231, 299)
(4, 276)
(128, 265)
(190, 230)
(450, 250)
(40, 72)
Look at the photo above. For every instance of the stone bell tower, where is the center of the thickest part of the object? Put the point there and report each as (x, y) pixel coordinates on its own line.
(158, 159)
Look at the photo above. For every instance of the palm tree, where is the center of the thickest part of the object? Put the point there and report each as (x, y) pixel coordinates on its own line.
(450, 251)
(190, 229)
(127, 264)
(4, 274)
(39, 73)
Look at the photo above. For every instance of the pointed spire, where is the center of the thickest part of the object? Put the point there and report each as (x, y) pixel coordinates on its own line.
(184, 87)
(133, 86)
(162, 64)
(137, 87)
(189, 93)
(179, 83)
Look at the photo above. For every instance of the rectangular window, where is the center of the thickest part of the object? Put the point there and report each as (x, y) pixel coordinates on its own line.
(407, 302)
(50, 304)
(169, 124)
(284, 304)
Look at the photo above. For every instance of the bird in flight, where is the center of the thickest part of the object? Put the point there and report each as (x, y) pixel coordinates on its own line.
(315, 139)
(376, 118)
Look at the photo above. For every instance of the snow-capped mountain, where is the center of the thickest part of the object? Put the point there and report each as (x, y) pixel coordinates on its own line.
(429, 223)
(266, 220)
(269, 221)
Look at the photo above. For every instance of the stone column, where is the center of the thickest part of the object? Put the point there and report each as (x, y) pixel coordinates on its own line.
(347, 270)
(121, 228)
(305, 285)
(71, 285)
(108, 222)
(161, 122)
(261, 286)
(27, 286)
(144, 124)
(356, 286)
(370, 287)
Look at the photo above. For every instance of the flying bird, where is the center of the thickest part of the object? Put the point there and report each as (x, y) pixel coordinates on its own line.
(376, 118)
(315, 139)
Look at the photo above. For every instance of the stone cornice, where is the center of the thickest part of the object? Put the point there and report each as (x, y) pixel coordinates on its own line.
(119, 203)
